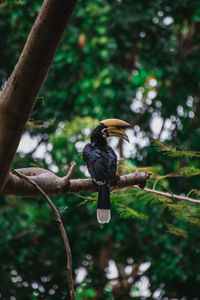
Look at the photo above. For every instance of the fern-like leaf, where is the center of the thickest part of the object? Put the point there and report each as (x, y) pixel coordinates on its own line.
(127, 212)
(176, 230)
(162, 147)
(189, 171)
(174, 152)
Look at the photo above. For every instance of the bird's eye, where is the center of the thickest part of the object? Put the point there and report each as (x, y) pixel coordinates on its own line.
(105, 132)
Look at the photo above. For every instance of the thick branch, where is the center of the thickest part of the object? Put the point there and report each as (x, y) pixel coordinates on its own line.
(18, 97)
(54, 185)
(48, 181)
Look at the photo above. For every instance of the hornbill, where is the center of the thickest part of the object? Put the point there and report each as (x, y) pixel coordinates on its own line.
(101, 162)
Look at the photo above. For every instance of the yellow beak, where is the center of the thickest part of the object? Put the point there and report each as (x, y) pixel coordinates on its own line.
(113, 131)
(116, 127)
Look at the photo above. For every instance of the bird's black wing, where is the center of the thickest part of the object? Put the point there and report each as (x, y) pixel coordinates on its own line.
(102, 164)
(95, 163)
(112, 165)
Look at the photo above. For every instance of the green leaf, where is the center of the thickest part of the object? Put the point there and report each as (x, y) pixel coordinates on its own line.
(189, 171)
(163, 147)
(176, 230)
(196, 15)
(127, 212)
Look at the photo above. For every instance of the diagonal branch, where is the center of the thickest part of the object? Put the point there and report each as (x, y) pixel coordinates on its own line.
(61, 227)
(18, 97)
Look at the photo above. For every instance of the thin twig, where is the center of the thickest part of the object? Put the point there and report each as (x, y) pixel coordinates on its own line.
(161, 130)
(62, 208)
(174, 196)
(62, 230)
(69, 174)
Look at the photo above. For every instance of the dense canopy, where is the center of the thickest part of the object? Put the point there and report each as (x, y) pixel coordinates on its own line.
(133, 60)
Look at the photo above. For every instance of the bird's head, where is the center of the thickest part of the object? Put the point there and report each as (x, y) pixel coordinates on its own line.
(107, 128)
(115, 127)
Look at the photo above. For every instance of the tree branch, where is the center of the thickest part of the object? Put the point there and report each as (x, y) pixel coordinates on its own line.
(48, 181)
(18, 97)
(54, 185)
(61, 227)
(173, 196)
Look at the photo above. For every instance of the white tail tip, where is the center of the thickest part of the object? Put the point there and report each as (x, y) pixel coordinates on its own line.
(103, 215)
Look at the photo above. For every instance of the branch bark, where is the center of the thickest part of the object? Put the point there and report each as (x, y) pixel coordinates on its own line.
(54, 185)
(18, 97)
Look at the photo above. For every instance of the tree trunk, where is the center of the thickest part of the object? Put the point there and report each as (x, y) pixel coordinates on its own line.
(18, 97)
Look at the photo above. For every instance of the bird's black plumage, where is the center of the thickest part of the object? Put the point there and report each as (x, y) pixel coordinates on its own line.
(101, 162)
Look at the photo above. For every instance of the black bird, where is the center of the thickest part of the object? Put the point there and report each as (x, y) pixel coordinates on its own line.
(101, 162)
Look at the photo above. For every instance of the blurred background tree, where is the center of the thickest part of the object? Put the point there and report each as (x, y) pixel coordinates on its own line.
(133, 60)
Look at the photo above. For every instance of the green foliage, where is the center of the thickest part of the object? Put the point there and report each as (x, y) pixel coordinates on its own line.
(186, 212)
(85, 293)
(127, 212)
(116, 59)
(163, 147)
(175, 230)
(189, 171)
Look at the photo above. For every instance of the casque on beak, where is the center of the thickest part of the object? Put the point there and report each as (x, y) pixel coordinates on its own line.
(117, 128)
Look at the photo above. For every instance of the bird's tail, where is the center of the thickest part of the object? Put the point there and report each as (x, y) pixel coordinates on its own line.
(103, 206)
